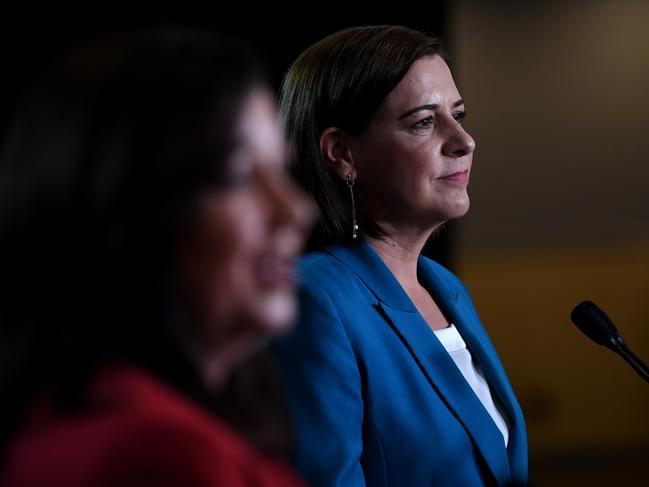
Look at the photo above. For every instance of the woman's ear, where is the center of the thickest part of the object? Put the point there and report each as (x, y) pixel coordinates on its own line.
(336, 152)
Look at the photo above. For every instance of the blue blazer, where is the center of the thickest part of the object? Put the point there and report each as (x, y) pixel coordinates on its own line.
(375, 398)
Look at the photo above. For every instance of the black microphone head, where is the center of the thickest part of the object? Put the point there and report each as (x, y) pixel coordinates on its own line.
(593, 323)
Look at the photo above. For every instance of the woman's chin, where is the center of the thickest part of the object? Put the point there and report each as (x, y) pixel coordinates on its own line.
(459, 207)
(276, 311)
(451, 211)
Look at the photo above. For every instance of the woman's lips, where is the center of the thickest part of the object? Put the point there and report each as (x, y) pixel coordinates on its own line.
(456, 177)
(277, 271)
(277, 267)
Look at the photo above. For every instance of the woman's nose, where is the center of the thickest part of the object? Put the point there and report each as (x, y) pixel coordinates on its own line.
(458, 142)
(290, 205)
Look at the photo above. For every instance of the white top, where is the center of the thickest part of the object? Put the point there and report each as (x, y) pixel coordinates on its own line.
(452, 341)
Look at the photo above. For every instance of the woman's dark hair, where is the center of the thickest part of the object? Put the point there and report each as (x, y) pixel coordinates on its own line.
(99, 176)
(340, 81)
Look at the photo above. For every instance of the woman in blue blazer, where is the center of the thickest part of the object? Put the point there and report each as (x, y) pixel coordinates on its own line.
(390, 376)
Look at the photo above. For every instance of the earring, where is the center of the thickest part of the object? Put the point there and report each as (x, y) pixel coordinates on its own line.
(350, 185)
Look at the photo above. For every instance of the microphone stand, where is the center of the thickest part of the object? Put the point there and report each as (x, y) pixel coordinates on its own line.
(618, 345)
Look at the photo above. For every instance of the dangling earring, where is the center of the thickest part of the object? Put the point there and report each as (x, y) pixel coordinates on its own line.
(350, 185)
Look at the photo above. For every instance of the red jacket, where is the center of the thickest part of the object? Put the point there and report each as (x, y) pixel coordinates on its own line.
(143, 434)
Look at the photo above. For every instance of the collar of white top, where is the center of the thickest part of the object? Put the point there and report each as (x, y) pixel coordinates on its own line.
(450, 338)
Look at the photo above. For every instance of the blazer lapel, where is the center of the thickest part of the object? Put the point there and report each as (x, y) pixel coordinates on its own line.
(434, 362)
(443, 375)
(462, 314)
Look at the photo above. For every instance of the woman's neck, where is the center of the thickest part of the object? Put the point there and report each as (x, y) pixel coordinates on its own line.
(401, 254)
(400, 251)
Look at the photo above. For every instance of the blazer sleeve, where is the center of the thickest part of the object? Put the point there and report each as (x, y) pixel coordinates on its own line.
(323, 389)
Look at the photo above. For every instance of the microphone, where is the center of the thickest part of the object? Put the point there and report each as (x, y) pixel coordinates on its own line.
(594, 323)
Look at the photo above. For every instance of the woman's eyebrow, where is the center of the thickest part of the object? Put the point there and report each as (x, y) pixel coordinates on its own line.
(428, 107)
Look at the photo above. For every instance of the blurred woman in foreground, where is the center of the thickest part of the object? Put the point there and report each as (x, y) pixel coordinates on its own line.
(147, 239)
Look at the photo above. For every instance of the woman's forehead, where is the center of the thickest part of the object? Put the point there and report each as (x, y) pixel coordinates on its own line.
(259, 127)
(427, 82)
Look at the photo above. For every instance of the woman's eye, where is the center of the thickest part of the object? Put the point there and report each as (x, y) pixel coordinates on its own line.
(459, 117)
(425, 123)
(241, 173)
(240, 180)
